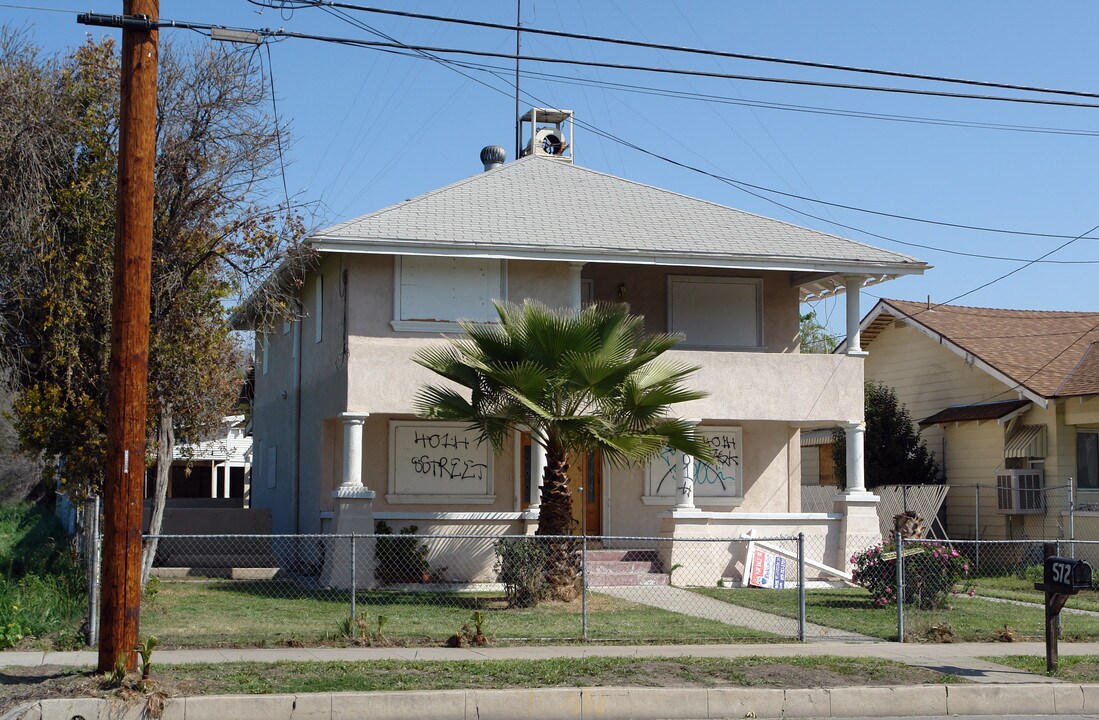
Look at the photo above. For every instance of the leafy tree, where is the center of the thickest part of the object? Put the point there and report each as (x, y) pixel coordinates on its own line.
(814, 336)
(579, 382)
(894, 452)
(213, 232)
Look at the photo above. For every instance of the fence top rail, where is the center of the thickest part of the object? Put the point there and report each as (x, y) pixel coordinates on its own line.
(475, 536)
(1035, 541)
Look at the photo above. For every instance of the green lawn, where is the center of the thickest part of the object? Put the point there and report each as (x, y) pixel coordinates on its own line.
(224, 613)
(245, 678)
(964, 619)
(1071, 668)
(1022, 589)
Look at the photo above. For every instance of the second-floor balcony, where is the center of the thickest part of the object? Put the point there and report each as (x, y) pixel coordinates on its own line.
(742, 386)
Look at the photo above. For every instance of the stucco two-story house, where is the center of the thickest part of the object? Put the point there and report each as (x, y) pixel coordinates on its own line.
(1008, 400)
(337, 444)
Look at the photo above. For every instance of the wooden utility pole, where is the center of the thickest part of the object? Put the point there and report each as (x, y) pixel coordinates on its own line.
(124, 479)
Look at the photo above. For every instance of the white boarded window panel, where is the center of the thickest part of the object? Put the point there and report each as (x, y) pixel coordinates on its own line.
(438, 462)
(715, 312)
(442, 289)
(715, 484)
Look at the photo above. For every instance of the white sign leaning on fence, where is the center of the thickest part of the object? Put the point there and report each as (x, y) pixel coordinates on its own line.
(716, 484)
(766, 570)
(431, 462)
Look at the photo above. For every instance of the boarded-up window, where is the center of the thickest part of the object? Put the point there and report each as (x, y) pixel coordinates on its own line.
(432, 290)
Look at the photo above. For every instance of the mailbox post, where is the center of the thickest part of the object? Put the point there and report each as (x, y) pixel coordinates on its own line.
(1061, 579)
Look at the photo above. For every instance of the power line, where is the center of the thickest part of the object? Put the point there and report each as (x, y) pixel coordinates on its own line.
(434, 50)
(809, 109)
(674, 48)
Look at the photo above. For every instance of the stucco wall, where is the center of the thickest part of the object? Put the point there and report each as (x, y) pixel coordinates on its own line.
(274, 427)
(803, 389)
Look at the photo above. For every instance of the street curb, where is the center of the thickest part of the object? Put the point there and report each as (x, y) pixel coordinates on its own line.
(607, 703)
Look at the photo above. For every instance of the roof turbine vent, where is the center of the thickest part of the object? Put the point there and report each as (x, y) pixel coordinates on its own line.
(493, 156)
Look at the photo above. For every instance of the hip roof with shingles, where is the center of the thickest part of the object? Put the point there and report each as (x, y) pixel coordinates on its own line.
(1051, 353)
(544, 205)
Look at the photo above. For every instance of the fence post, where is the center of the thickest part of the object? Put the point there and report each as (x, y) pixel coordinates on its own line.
(977, 532)
(584, 587)
(354, 583)
(801, 587)
(1071, 520)
(899, 543)
(91, 550)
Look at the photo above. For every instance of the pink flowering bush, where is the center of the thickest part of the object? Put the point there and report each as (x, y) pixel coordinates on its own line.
(931, 572)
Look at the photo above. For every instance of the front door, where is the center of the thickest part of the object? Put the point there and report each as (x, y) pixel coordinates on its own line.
(586, 482)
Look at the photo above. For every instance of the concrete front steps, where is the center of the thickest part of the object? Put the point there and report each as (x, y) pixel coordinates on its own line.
(625, 568)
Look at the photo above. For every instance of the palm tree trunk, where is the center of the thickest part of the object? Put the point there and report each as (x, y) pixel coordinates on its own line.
(555, 515)
(165, 445)
(555, 518)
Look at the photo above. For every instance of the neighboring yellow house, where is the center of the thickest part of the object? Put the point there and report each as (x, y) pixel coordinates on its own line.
(1008, 400)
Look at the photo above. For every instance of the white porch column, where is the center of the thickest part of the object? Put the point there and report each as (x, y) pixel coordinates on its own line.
(537, 472)
(685, 479)
(856, 443)
(859, 528)
(354, 514)
(576, 289)
(225, 486)
(854, 316)
(213, 478)
(353, 450)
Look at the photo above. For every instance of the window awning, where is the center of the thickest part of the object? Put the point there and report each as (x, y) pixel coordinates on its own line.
(1027, 441)
(810, 438)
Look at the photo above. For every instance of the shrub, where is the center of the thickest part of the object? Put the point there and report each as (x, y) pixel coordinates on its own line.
(402, 558)
(931, 571)
(521, 567)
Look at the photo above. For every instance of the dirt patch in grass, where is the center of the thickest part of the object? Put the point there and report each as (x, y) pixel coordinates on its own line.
(19, 685)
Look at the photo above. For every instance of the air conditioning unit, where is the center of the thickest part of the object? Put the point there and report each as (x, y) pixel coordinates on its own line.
(1020, 492)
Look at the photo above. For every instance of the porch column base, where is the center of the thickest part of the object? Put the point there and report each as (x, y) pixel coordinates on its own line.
(859, 528)
(354, 514)
(529, 519)
(689, 563)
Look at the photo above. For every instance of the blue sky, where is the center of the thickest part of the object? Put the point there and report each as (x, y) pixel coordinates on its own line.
(370, 129)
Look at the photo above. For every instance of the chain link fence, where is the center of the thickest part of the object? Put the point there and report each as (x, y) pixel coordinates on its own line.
(408, 589)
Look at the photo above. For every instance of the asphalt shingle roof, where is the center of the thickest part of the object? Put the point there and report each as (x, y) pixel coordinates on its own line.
(546, 205)
(1051, 353)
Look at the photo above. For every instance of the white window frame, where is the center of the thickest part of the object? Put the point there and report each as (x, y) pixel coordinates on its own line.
(401, 325)
(717, 280)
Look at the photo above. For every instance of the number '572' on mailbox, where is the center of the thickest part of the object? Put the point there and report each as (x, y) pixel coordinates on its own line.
(1065, 575)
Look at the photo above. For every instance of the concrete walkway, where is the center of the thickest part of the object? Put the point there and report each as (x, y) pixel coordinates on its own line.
(690, 603)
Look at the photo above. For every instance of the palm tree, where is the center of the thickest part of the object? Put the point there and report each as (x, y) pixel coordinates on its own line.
(577, 381)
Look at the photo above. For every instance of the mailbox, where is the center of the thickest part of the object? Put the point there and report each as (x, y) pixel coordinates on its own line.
(1065, 575)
